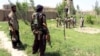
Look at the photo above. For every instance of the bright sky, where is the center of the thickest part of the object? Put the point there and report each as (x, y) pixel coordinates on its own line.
(84, 4)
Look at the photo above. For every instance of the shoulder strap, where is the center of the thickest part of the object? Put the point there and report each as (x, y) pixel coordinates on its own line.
(36, 18)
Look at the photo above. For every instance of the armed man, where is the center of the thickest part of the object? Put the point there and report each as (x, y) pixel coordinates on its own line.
(14, 28)
(40, 30)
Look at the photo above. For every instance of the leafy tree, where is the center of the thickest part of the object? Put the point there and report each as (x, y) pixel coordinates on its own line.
(60, 9)
(97, 8)
(62, 14)
(22, 10)
(78, 8)
(32, 4)
(89, 19)
(72, 10)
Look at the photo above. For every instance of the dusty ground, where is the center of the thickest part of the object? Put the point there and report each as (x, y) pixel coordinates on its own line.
(88, 30)
(6, 44)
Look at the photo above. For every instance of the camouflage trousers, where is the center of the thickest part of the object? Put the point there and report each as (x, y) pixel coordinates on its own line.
(39, 44)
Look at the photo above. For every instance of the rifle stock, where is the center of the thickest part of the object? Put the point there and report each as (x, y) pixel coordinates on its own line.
(48, 40)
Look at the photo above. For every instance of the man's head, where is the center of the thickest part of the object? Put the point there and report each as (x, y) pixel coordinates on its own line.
(13, 8)
(39, 8)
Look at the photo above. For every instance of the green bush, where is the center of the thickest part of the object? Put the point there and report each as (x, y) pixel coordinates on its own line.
(89, 19)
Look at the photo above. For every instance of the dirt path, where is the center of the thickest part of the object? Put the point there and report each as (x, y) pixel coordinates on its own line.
(88, 30)
(6, 44)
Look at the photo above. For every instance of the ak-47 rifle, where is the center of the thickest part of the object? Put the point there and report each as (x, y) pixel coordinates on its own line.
(48, 38)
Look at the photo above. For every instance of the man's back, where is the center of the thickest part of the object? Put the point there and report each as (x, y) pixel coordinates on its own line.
(38, 18)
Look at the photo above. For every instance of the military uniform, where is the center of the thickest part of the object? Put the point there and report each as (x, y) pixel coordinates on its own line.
(39, 31)
(73, 21)
(13, 24)
(82, 22)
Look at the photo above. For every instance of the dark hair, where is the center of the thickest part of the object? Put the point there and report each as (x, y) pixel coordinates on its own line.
(39, 8)
(12, 6)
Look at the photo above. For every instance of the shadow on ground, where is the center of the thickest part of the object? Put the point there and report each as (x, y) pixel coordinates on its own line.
(52, 54)
(22, 47)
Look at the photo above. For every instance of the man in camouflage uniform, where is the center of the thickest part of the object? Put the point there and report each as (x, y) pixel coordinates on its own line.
(81, 22)
(40, 30)
(58, 20)
(14, 27)
(68, 22)
(73, 21)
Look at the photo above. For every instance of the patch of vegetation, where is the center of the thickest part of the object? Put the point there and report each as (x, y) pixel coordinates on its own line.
(4, 53)
(76, 44)
(89, 19)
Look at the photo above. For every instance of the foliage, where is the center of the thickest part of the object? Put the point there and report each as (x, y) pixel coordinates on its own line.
(89, 19)
(32, 4)
(97, 8)
(60, 9)
(22, 11)
(72, 10)
(4, 53)
(77, 44)
(78, 8)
